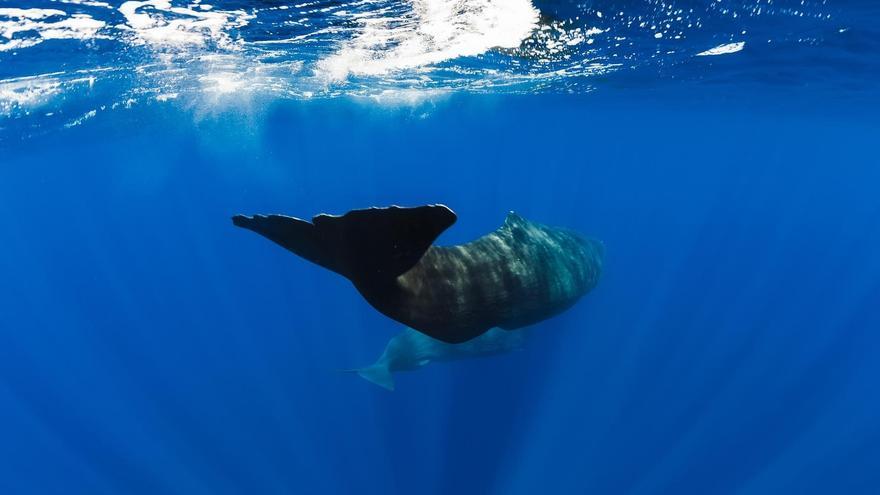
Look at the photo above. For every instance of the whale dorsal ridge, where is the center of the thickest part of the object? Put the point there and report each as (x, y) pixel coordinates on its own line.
(513, 217)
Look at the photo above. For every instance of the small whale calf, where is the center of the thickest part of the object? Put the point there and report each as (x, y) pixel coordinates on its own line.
(410, 350)
(518, 275)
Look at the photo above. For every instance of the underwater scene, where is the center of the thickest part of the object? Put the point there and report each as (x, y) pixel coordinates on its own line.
(439, 247)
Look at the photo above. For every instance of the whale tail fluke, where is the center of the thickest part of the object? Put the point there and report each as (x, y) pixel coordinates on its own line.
(378, 374)
(362, 245)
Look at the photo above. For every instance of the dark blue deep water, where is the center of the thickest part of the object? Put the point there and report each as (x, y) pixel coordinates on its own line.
(147, 346)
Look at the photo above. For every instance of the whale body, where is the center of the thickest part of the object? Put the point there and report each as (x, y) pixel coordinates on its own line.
(410, 350)
(520, 274)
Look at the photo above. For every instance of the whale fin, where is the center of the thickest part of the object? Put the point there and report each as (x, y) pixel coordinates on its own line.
(293, 234)
(378, 374)
(370, 244)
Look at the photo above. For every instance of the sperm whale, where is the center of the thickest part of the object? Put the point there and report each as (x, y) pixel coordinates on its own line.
(520, 274)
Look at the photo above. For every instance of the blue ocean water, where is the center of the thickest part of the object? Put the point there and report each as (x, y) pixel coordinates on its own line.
(725, 152)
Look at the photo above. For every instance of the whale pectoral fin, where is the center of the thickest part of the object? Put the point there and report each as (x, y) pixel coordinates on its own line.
(362, 245)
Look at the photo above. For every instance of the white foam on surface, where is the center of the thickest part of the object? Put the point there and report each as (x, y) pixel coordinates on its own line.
(38, 25)
(30, 13)
(161, 23)
(434, 31)
(18, 44)
(89, 3)
(724, 49)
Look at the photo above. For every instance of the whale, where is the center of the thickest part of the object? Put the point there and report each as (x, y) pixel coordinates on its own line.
(410, 350)
(520, 274)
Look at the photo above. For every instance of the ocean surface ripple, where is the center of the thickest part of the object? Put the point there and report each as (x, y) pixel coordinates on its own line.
(67, 60)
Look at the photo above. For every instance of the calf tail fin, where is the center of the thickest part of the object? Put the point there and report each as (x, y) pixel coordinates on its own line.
(378, 374)
(374, 243)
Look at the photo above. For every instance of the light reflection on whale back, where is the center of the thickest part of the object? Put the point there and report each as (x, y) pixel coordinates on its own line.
(518, 275)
